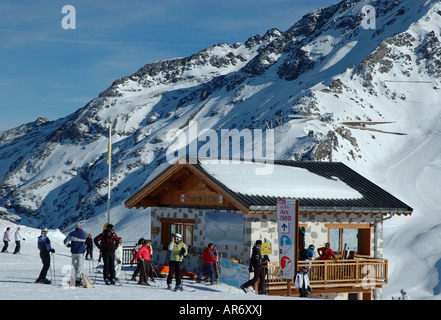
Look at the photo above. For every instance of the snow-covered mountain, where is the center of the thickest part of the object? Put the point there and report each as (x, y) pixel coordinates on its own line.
(330, 87)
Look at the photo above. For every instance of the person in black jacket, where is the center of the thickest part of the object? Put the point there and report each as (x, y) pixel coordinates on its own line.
(256, 266)
(44, 245)
(89, 248)
(107, 242)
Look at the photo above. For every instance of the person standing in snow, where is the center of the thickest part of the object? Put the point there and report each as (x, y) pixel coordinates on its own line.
(404, 295)
(89, 248)
(301, 282)
(76, 240)
(6, 239)
(44, 245)
(118, 259)
(107, 242)
(216, 263)
(18, 238)
(144, 256)
(135, 258)
(178, 250)
(256, 266)
(208, 259)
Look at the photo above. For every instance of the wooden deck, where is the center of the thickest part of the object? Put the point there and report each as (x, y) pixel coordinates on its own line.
(359, 275)
(354, 275)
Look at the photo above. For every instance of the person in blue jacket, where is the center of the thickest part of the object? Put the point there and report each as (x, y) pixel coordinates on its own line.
(309, 252)
(76, 240)
(44, 245)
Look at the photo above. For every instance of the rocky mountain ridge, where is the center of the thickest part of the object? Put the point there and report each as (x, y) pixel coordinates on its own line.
(306, 84)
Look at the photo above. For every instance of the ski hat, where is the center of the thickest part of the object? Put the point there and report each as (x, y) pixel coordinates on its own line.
(178, 236)
(44, 231)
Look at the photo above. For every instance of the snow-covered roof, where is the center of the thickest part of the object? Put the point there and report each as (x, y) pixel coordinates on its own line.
(255, 186)
(276, 180)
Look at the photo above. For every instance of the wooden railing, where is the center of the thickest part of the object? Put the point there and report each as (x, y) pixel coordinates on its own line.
(127, 255)
(329, 273)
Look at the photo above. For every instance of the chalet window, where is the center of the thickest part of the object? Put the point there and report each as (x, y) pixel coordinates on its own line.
(170, 226)
(357, 238)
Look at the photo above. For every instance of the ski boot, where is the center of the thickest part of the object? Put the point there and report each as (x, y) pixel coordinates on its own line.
(179, 288)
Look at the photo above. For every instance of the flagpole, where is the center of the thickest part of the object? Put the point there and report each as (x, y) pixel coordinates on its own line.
(109, 162)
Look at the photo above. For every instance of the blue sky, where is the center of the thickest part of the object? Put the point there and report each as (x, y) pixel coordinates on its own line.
(48, 71)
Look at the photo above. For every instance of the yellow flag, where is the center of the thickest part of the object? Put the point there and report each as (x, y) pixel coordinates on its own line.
(109, 150)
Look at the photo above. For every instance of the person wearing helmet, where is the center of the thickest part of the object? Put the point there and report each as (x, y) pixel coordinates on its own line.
(44, 245)
(107, 242)
(309, 254)
(256, 266)
(178, 252)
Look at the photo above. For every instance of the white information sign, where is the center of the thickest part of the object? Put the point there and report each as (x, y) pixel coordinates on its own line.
(286, 216)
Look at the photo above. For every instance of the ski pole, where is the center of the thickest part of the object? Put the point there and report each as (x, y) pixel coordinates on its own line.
(50, 270)
(53, 267)
(93, 268)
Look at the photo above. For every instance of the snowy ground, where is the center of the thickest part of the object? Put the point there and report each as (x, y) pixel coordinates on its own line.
(19, 271)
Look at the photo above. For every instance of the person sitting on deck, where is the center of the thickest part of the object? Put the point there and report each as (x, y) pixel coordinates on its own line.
(325, 253)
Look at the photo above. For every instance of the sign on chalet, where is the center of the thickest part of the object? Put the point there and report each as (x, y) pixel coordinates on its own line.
(233, 204)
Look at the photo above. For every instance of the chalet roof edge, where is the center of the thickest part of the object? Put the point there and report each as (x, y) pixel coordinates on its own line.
(374, 193)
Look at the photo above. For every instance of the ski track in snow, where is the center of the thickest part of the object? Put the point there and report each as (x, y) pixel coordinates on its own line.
(413, 247)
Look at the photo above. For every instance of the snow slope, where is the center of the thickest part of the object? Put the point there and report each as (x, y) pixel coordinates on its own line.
(324, 64)
(412, 244)
(19, 271)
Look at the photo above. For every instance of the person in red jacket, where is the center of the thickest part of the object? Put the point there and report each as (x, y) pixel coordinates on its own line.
(208, 259)
(135, 258)
(144, 256)
(326, 252)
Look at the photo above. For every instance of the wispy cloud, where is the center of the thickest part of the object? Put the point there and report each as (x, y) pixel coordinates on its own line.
(46, 70)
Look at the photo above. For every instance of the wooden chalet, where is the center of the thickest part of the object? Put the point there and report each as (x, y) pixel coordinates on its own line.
(337, 205)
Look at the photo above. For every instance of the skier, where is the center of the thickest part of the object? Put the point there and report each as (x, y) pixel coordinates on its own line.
(301, 282)
(178, 252)
(144, 257)
(216, 263)
(18, 238)
(404, 295)
(256, 266)
(118, 259)
(107, 243)
(208, 259)
(6, 239)
(76, 240)
(89, 248)
(135, 258)
(44, 245)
